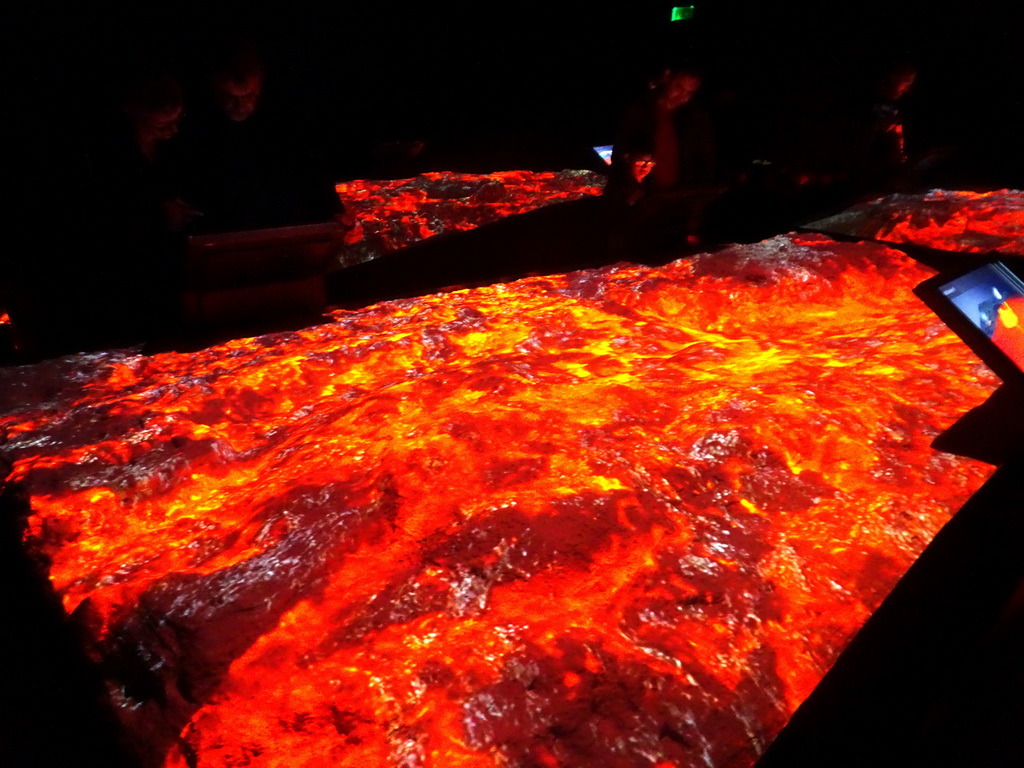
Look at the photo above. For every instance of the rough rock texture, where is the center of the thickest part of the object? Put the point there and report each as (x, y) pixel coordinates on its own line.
(622, 517)
(969, 222)
(397, 213)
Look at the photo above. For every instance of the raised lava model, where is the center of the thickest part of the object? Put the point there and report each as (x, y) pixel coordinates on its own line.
(968, 222)
(622, 517)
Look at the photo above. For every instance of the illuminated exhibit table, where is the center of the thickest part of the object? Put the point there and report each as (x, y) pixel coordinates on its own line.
(962, 221)
(396, 213)
(626, 516)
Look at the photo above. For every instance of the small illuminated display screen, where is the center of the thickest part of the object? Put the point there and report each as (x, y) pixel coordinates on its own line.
(605, 153)
(992, 299)
(682, 13)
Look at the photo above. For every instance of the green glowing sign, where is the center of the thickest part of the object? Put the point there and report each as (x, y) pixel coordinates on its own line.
(682, 13)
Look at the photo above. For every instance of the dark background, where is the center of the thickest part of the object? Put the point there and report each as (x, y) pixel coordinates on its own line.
(527, 85)
(535, 84)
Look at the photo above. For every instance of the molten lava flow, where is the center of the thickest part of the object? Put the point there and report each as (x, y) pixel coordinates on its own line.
(618, 517)
(400, 212)
(970, 222)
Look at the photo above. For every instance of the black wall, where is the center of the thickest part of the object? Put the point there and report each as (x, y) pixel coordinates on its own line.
(463, 70)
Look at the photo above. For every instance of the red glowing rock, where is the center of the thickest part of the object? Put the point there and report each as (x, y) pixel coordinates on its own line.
(617, 517)
(969, 222)
(399, 212)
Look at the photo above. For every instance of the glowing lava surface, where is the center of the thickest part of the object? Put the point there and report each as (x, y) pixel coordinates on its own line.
(399, 212)
(969, 222)
(623, 517)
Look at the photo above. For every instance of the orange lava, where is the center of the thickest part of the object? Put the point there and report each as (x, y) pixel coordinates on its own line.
(399, 212)
(968, 222)
(623, 517)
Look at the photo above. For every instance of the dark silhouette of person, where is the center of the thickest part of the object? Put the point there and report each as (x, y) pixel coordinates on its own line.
(245, 162)
(664, 165)
(669, 134)
(133, 169)
(136, 210)
(120, 285)
(881, 154)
